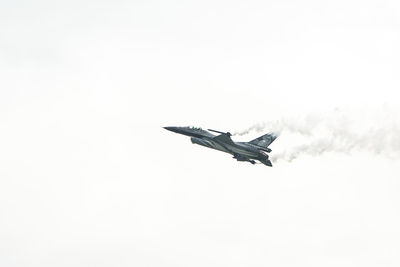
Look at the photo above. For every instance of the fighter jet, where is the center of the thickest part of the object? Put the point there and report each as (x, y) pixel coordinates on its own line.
(256, 149)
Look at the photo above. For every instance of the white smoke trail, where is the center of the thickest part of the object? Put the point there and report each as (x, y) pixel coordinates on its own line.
(339, 131)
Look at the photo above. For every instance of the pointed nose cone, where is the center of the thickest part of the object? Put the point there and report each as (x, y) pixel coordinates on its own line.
(172, 129)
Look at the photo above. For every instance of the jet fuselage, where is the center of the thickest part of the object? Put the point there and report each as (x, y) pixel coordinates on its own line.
(242, 151)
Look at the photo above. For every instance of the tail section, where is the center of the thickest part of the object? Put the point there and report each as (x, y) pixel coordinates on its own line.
(264, 141)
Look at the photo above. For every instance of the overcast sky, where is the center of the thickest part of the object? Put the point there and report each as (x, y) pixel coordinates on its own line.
(89, 178)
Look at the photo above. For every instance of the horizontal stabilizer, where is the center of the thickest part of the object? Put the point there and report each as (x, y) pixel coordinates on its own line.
(266, 162)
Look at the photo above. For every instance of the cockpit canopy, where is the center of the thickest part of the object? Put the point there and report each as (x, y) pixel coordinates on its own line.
(195, 128)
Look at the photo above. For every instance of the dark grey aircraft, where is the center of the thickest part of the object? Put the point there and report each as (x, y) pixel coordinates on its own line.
(242, 151)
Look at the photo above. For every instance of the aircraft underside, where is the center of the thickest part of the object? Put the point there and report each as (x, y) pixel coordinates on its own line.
(239, 153)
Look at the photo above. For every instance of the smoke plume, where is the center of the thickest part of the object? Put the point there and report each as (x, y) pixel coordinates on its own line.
(376, 132)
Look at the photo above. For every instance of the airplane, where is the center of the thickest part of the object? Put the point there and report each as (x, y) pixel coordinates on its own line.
(256, 149)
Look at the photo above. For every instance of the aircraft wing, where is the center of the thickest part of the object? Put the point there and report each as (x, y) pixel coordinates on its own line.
(265, 140)
(224, 138)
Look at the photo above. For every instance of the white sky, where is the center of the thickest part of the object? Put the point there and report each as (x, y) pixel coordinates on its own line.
(89, 178)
